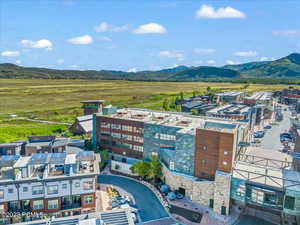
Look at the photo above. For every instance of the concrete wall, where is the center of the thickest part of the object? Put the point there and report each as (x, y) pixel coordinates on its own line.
(121, 167)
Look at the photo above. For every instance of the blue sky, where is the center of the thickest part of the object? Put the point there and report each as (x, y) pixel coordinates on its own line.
(133, 35)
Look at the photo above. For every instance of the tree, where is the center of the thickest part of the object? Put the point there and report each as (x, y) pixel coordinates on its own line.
(208, 90)
(178, 108)
(166, 104)
(104, 155)
(141, 168)
(194, 93)
(194, 111)
(181, 95)
(246, 86)
(155, 169)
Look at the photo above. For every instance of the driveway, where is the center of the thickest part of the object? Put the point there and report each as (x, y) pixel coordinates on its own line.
(149, 206)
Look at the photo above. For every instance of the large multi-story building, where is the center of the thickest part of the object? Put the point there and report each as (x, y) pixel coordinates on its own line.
(57, 184)
(196, 152)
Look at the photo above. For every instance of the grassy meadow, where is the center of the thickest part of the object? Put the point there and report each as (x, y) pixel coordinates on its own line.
(59, 100)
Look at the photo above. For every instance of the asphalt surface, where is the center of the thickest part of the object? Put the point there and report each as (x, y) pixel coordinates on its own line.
(271, 140)
(250, 220)
(149, 206)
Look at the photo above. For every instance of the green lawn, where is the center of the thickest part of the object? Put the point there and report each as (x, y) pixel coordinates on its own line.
(59, 100)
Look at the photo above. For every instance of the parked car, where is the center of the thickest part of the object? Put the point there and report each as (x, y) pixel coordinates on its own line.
(286, 137)
(259, 134)
(268, 127)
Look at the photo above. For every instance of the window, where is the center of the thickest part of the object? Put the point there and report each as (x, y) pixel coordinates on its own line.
(203, 161)
(38, 204)
(225, 163)
(53, 204)
(10, 190)
(52, 189)
(289, 202)
(241, 190)
(127, 137)
(36, 190)
(116, 126)
(138, 130)
(77, 184)
(204, 147)
(1, 193)
(88, 185)
(165, 136)
(116, 135)
(270, 198)
(257, 196)
(88, 199)
(128, 146)
(138, 148)
(154, 153)
(64, 186)
(2, 209)
(138, 139)
(104, 133)
(104, 125)
(25, 189)
(225, 153)
(172, 166)
(126, 128)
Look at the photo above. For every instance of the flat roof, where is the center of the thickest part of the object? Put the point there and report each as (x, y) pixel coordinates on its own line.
(187, 122)
(292, 180)
(230, 93)
(93, 101)
(258, 174)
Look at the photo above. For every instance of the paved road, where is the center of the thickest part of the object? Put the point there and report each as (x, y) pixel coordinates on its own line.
(271, 140)
(250, 220)
(149, 206)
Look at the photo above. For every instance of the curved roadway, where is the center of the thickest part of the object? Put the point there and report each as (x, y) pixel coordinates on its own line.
(149, 206)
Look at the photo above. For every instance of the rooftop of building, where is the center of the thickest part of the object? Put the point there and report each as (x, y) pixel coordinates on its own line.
(230, 93)
(230, 109)
(15, 167)
(260, 96)
(110, 217)
(186, 121)
(93, 101)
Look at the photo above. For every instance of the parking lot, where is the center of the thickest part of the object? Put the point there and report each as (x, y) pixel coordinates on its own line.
(270, 145)
(271, 140)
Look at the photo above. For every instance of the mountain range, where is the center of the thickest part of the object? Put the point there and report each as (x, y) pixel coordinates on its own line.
(284, 68)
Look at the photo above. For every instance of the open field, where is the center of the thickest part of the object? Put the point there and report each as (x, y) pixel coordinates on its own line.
(59, 100)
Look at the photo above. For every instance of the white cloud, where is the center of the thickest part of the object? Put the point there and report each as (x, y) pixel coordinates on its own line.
(246, 54)
(43, 43)
(74, 66)
(231, 62)
(10, 53)
(209, 12)
(105, 38)
(171, 54)
(286, 33)
(265, 58)
(132, 70)
(120, 28)
(81, 40)
(205, 51)
(211, 62)
(150, 28)
(18, 62)
(60, 61)
(104, 27)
